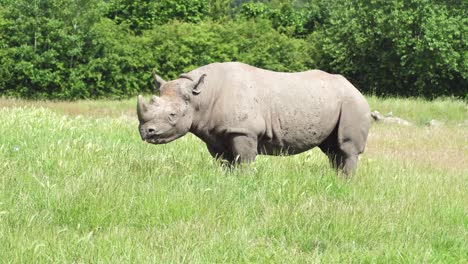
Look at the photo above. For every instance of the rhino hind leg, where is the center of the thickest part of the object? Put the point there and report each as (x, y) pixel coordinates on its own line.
(347, 140)
(346, 162)
(340, 158)
(353, 129)
(331, 149)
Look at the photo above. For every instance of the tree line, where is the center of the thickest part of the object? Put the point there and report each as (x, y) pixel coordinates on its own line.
(75, 49)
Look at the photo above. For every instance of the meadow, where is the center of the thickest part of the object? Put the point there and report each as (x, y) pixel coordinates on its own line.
(78, 185)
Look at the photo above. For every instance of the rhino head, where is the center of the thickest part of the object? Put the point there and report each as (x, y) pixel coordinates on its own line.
(169, 116)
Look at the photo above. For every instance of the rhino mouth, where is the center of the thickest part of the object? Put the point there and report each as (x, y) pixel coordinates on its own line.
(153, 139)
(158, 139)
(162, 138)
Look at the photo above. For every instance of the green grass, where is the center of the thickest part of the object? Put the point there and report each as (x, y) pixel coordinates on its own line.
(78, 185)
(420, 111)
(417, 110)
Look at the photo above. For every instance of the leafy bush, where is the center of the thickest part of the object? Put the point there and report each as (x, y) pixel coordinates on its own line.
(120, 65)
(71, 49)
(396, 47)
(52, 49)
(285, 18)
(180, 47)
(143, 14)
(44, 41)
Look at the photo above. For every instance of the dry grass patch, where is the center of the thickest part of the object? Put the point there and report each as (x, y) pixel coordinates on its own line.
(445, 147)
(98, 108)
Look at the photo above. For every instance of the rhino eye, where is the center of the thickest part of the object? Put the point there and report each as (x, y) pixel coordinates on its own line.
(172, 117)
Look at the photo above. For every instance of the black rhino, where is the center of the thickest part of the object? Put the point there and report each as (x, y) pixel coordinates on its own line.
(240, 111)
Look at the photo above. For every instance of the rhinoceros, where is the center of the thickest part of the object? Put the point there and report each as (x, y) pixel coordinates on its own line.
(241, 111)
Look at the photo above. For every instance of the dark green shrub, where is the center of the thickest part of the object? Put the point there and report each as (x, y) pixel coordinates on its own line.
(142, 14)
(180, 47)
(119, 66)
(71, 49)
(43, 42)
(63, 49)
(285, 18)
(397, 47)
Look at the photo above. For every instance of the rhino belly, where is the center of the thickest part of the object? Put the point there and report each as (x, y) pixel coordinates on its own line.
(271, 148)
(299, 130)
(290, 144)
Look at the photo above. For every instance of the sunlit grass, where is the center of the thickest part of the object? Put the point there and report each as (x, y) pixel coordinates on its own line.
(83, 187)
(420, 111)
(96, 108)
(417, 110)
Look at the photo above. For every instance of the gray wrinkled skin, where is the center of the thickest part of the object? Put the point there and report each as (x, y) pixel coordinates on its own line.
(240, 111)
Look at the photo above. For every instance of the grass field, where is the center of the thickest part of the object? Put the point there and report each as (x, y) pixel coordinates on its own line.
(79, 185)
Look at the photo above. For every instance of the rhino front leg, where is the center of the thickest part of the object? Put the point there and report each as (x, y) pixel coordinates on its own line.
(219, 154)
(244, 148)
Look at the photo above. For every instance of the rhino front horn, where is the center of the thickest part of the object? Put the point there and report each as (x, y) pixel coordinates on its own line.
(142, 107)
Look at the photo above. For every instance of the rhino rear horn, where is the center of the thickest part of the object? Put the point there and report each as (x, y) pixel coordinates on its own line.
(155, 100)
(158, 81)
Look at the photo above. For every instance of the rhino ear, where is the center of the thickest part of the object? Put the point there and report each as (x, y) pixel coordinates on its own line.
(196, 89)
(158, 81)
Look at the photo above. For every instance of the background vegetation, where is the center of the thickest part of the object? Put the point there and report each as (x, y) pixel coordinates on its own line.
(77, 185)
(71, 49)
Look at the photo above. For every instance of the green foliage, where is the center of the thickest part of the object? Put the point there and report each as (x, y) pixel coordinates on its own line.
(94, 48)
(285, 18)
(62, 49)
(144, 14)
(180, 47)
(120, 65)
(220, 9)
(44, 41)
(397, 47)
